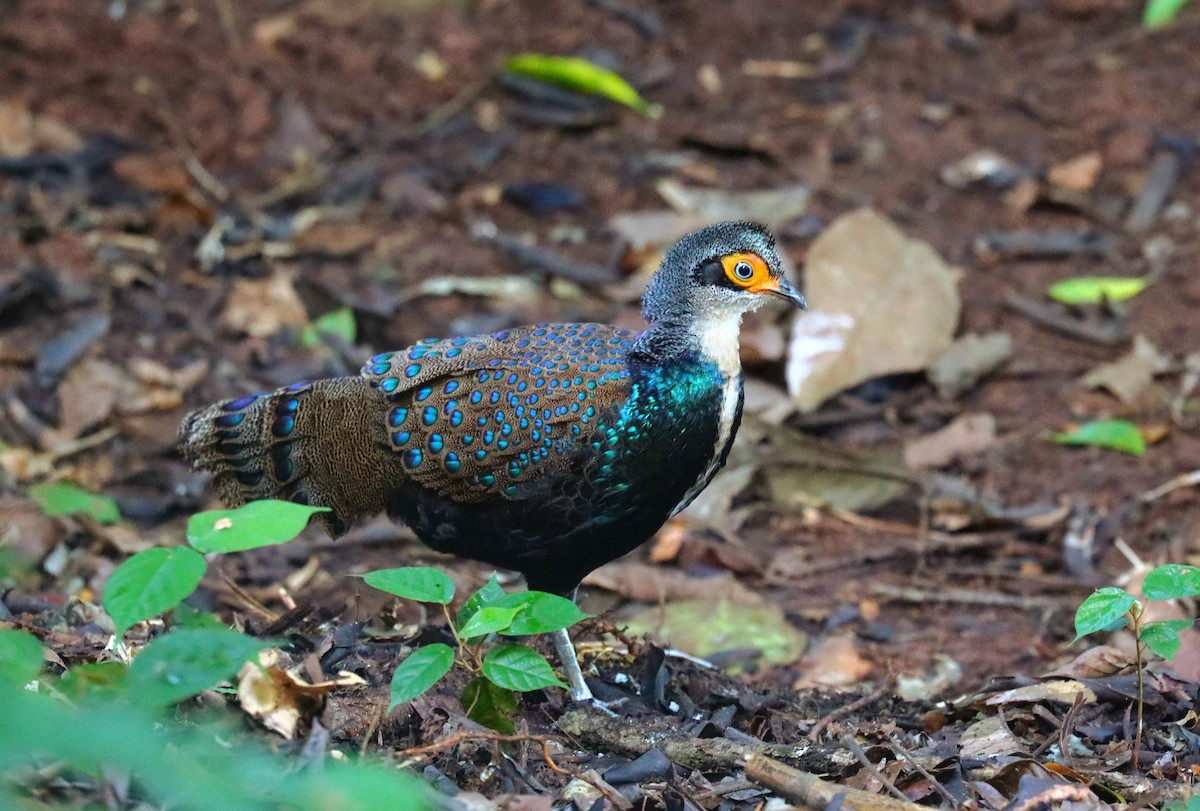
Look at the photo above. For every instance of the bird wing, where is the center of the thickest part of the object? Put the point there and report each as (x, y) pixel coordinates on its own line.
(480, 418)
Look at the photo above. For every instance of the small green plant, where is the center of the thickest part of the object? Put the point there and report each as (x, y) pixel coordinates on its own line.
(108, 720)
(499, 670)
(1110, 608)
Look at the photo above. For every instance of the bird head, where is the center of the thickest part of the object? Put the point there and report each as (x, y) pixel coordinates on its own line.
(720, 271)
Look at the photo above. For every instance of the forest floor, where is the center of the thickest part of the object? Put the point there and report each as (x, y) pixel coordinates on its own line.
(185, 186)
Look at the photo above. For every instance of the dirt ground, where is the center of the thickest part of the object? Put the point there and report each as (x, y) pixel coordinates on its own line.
(162, 164)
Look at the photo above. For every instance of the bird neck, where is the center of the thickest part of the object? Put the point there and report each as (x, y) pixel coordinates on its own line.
(710, 337)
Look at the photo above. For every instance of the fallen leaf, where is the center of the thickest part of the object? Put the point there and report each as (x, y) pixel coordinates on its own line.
(967, 361)
(965, 436)
(905, 323)
(158, 173)
(1097, 289)
(87, 396)
(804, 472)
(708, 626)
(989, 738)
(280, 698)
(772, 206)
(22, 133)
(1115, 435)
(1095, 663)
(1078, 174)
(836, 661)
(262, 307)
(657, 584)
(1059, 691)
(1128, 376)
(937, 679)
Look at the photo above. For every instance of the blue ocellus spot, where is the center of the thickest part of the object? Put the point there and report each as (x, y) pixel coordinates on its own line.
(468, 439)
(511, 490)
(401, 438)
(412, 370)
(429, 415)
(436, 443)
(288, 406)
(423, 394)
(381, 368)
(487, 479)
(389, 384)
(451, 387)
(476, 397)
(240, 403)
(249, 478)
(412, 458)
(456, 419)
(481, 455)
(381, 357)
(283, 425)
(397, 416)
(451, 462)
(229, 420)
(453, 353)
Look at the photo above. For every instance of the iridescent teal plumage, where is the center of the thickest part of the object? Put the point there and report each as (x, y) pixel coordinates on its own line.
(549, 449)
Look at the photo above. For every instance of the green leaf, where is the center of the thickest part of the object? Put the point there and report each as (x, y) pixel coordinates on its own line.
(259, 523)
(488, 620)
(67, 498)
(1170, 582)
(182, 663)
(489, 704)
(1162, 637)
(184, 616)
(20, 657)
(1159, 13)
(339, 322)
(94, 679)
(516, 667)
(150, 583)
(1097, 289)
(358, 787)
(420, 583)
(581, 75)
(1102, 609)
(419, 671)
(1116, 435)
(488, 593)
(541, 612)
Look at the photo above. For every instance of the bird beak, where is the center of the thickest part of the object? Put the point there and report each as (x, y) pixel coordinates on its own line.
(782, 288)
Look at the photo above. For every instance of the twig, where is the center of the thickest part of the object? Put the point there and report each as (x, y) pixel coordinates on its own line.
(497, 737)
(906, 756)
(851, 744)
(1190, 479)
(814, 734)
(805, 788)
(964, 596)
(248, 600)
(1108, 334)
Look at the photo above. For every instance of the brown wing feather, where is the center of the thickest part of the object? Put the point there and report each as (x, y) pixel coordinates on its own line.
(474, 418)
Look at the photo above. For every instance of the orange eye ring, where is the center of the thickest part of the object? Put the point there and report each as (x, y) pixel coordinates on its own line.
(746, 270)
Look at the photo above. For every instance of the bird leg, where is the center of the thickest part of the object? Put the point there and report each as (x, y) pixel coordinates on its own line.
(570, 665)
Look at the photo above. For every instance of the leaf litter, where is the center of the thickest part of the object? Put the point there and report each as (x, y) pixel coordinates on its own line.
(258, 220)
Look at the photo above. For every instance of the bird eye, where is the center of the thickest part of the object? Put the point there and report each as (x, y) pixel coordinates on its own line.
(743, 270)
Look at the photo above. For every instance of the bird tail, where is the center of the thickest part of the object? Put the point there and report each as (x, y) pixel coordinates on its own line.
(319, 443)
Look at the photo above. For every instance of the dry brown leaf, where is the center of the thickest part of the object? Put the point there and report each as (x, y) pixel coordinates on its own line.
(836, 661)
(653, 584)
(261, 307)
(278, 697)
(1128, 376)
(1079, 173)
(336, 238)
(881, 303)
(22, 133)
(1061, 691)
(1095, 663)
(87, 396)
(160, 173)
(966, 361)
(966, 436)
